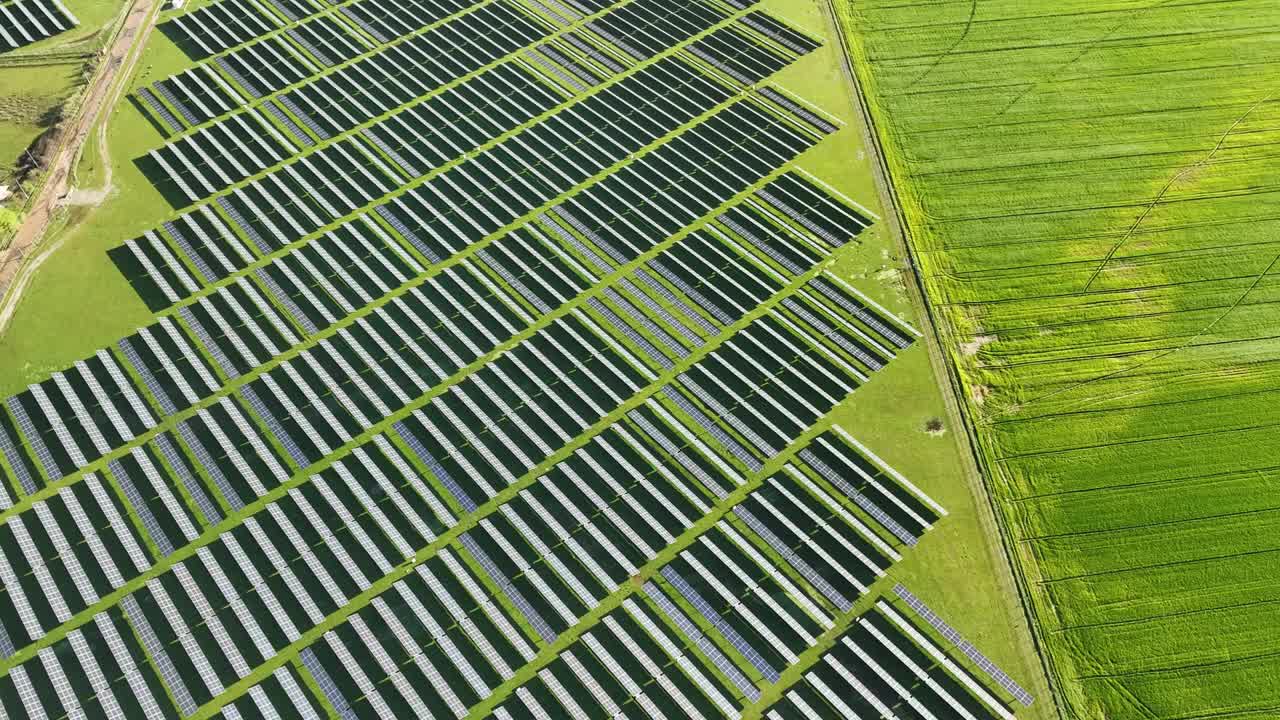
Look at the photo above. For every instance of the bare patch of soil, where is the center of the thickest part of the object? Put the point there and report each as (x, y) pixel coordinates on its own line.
(972, 347)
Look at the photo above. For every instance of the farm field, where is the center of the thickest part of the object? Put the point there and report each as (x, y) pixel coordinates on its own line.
(501, 359)
(1089, 193)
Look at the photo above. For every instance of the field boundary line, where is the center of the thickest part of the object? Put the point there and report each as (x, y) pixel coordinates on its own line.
(1010, 573)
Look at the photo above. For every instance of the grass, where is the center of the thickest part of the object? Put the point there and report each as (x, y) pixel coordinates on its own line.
(956, 566)
(79, 303)
(36, 80)
(1085, 186)
(31, 97)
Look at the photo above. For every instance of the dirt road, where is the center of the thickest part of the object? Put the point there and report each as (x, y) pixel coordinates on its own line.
(103, 92)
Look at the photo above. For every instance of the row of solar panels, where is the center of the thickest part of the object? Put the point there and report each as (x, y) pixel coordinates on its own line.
(446, 636)
(347, 493)
(887, 665)
(164, 358)
(318, 289)
(395, 75)
(216, 26)
(472, 197)
(23, 22)
(220, 652)
(205, 163)
(278, 60)
(367, 544)
(282, 58)
(251, 300)
(631, 665)
(348, 281)
(391, 78)
(382, 664)
(334, 521)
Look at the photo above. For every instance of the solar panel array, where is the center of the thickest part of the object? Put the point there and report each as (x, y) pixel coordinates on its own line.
(981, 661)
(477, 328)
(23, 22)
(885, 666)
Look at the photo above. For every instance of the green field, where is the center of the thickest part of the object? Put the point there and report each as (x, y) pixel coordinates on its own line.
(1089, 192)
(29, 103)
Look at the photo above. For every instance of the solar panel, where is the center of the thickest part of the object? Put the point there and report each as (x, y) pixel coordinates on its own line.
(158, 391)
(277, 429)
(858, 498)
(442, 475)
(6, 644)
(686, 626)
(11, 452)
(789, 555)
(224, 201)
(207, 462)
(694, 598)
(725, 439)
(862, 313)
(156, 651)
(530, 613)
(459, 660)
(326, 684)
(59, 427)
(213, 348)
(958, 640)
(139, 505)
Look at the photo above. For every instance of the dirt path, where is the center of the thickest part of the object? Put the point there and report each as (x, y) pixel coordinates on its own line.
(95, 196)
(104, 90)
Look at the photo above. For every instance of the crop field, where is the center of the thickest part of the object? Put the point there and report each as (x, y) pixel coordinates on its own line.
(510, 359)
(1090, 193)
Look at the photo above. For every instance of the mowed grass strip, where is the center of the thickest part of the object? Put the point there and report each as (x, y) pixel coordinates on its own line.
(1091, 202)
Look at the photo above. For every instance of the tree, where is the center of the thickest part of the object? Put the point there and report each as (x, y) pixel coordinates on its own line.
(9, 221)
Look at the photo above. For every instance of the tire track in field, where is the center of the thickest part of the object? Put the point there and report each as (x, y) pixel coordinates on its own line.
(1021, 333)
(1062, 630)
(1125, 487)
(1137, 441)
(1119, 354)
(1169, 185)
(1266, 712)
(1141, 363)
(968, 25)
(1156, 566)
(1143, 526)
(1141, 406)
(1183, 668)
(1079, 56)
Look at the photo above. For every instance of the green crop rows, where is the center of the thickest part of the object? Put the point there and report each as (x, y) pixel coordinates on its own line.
(1090, 192)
